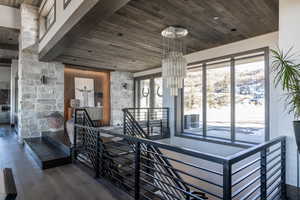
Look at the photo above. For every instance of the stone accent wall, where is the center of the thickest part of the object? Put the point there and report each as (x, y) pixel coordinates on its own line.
(36, 100)
(120, 97)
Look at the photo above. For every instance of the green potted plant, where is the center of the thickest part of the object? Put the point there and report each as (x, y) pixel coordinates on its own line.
(287, 74)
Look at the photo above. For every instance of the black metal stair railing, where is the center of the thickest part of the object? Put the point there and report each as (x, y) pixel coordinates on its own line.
(133, 128)
(153, 121)
(147, 169)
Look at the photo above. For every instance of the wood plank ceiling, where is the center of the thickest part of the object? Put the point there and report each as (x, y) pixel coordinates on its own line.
(17, 3)
(130, 39)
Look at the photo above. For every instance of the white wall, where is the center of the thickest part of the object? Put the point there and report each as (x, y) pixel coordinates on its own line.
(10, 17)
(289, 36)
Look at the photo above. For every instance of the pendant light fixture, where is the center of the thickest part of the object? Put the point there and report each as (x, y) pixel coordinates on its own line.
(173, 61)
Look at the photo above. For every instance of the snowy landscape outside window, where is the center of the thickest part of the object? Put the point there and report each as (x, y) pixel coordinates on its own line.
(226, 99)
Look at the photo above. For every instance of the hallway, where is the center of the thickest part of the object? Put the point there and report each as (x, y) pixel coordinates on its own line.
(63, 183)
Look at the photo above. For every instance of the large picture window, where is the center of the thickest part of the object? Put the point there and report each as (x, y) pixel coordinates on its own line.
(227, 98)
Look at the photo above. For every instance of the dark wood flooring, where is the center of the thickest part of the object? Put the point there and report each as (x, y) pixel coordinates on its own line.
(68, 182)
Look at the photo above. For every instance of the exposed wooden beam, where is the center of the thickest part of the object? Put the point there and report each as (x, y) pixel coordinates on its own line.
(13, 47)
(101, 11)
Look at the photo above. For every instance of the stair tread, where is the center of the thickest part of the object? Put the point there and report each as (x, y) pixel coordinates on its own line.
(44, 150)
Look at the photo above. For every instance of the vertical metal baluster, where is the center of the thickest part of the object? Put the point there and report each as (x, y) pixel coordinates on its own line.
(168, 122)
(97, 154)
(124, 121)
(74, 151)
(84, 132)
(148, 122)
(227, 181)
(137, 170)
(283, 168)
(161, 129)
(263, 174)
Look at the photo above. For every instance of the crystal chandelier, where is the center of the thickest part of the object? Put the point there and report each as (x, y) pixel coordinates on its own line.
(173, 61)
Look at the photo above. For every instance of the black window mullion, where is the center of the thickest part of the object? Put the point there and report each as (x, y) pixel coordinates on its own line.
(204, 98)
(267, 96)
(139, 93)
(152, 93)
(232, 98)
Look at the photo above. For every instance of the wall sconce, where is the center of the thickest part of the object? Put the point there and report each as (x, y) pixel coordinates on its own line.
(124, 85)
(43, 79)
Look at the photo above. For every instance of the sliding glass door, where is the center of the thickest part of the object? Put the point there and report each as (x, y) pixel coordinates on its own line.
(228, 98)
(193, 101)
(250, 99)
(218, 100)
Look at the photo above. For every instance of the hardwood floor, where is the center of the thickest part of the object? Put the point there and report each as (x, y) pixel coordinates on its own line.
(68, 182)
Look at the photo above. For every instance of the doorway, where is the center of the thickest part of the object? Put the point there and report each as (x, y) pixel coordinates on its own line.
(149, 92)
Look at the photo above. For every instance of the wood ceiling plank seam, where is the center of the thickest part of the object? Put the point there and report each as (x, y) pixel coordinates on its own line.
(114, 50)
(123, 67)
(232, 21)
(268, 13)
(253, 17)
(156, 36)
(129, 47)
(112, 55)
(132, 32)
(75, 59)
(187, 18)
(111, 62)
(121, 41)
(125, 22)
(140, 4)
(116, 29)
(196, 35)
(130, 39)
(261, 20)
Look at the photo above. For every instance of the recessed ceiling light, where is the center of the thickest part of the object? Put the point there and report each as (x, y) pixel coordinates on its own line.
(216, 18)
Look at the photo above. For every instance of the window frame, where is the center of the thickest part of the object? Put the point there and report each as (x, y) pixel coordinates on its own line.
(66, 3)
(179, 108)
(47, 28)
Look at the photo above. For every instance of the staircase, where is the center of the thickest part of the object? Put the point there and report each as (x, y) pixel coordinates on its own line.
(49, 151)
(118, 159)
